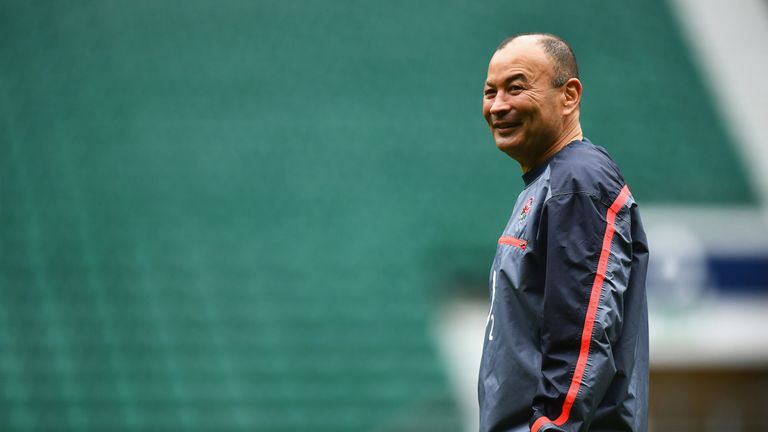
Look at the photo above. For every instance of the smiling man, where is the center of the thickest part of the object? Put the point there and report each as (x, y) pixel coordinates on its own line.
(566, 340)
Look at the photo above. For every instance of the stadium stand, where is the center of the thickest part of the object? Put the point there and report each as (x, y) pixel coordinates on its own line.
(241, 215)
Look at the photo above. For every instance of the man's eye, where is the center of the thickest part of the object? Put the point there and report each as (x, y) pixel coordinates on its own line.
(489, 93)
(515, 89)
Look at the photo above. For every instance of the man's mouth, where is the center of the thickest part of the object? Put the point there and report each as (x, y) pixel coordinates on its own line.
(505, 127)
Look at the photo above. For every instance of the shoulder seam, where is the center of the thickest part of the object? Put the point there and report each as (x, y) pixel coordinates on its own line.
(619, 214)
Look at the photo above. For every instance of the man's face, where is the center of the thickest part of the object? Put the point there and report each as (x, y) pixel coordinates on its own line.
(520, 104)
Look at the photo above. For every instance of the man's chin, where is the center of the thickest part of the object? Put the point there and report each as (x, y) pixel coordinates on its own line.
(507, 145)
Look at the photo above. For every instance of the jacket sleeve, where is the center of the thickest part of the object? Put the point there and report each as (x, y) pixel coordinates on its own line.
(586, 269)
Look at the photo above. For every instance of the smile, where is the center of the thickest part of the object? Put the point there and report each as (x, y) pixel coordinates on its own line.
(505, 127)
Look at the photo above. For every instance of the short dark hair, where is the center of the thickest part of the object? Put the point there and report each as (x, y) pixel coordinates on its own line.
(563, 58)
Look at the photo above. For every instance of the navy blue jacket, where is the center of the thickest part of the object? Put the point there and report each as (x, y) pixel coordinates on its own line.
(566, 340)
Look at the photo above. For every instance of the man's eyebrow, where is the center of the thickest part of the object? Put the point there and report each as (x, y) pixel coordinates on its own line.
(515, 77)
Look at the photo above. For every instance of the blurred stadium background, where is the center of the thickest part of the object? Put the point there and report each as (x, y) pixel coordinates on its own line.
(280, 215)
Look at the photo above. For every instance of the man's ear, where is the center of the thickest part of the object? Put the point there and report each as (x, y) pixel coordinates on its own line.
(571, 95)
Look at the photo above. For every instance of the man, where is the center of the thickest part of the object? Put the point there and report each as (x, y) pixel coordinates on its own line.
(566, 341)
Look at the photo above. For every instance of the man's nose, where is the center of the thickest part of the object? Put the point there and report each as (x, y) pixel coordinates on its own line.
(500, 104)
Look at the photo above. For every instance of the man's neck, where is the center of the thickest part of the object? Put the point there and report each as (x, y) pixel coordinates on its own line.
(568, 135)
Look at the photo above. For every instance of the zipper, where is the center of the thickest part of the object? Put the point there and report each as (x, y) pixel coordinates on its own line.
(513, 241)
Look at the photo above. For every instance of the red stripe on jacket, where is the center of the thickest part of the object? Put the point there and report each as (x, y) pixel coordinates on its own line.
(589, 320)
(513, 241)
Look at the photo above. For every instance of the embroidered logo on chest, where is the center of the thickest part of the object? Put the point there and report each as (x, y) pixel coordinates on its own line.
(526, 209)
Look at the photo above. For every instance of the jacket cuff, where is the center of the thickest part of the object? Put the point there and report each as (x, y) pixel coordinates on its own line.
(544, 424)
